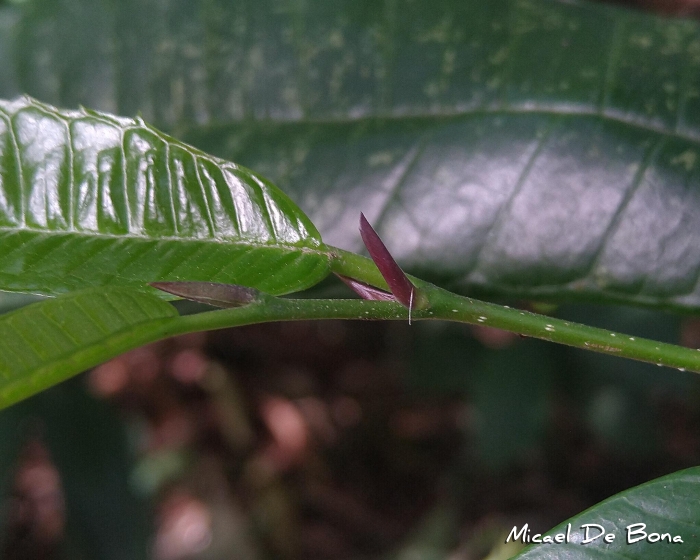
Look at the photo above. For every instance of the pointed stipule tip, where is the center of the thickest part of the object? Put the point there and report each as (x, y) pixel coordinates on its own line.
(399, 284)
(211, 293)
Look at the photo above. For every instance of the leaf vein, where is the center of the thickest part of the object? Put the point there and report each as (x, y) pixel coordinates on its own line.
(504, 210)
(631, 190)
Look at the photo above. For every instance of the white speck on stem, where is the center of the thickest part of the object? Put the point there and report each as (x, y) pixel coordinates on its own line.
(681, 369)
(659, 365)
(454, 311)
(549, 328)
(482, 319)
(612, 334)
(632, 338)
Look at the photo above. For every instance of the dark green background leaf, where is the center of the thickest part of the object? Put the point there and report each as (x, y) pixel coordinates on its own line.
(87, 199)
(666, 505)
(541, 148)
(87, 442)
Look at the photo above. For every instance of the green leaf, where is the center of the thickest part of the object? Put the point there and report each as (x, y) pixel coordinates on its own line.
(539, 148)
(49, 341)
(667, 505)
(88, 199)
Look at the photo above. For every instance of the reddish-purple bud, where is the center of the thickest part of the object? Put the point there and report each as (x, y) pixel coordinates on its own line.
(365, 291)
(398, 282)
(218, 295)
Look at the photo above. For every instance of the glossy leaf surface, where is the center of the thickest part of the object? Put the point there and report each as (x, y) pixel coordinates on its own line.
(49, 341)
(527, 148)
(530, 147)
(668, 505)
(88, 199)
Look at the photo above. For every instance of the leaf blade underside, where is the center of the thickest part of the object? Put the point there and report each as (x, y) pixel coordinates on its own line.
(51, 340)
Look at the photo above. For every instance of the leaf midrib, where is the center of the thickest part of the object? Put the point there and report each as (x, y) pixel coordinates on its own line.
(435, 116)
(221, 241)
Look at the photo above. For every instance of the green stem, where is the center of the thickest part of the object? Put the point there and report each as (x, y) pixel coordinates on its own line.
(447, 306)
(271, 309)
(358, 267)
(443, 306)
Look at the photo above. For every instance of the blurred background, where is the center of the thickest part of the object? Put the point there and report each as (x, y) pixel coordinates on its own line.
(326, 440)
(341, 440)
